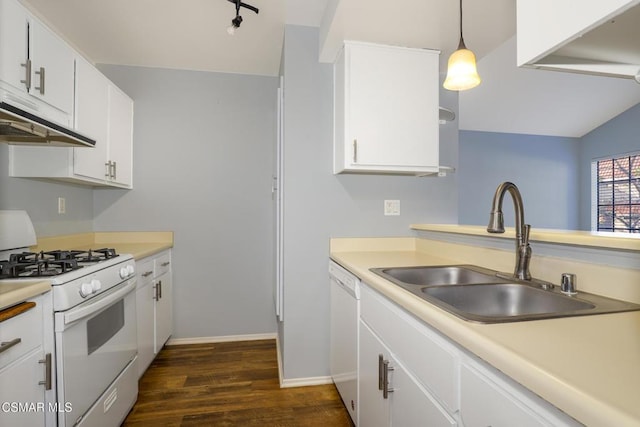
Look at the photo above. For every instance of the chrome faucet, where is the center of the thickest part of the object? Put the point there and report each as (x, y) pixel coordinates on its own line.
(496, 225)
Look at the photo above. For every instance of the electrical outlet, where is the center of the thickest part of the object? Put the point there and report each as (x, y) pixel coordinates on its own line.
(62, 205)
(392, 207)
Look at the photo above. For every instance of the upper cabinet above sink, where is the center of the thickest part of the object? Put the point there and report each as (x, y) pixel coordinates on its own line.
(591, 36)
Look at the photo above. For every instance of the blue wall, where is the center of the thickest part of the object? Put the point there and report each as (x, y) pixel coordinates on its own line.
(553, 173)
(544, 168)
(619, 135)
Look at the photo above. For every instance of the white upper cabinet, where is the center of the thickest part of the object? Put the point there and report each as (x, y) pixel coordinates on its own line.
(590, 36)
(36, 66)
(92, 107)
(104, 113)
(386, 110)
(120, 137)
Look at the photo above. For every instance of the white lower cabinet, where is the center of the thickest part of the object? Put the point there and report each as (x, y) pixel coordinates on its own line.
(433, 381)
(389, 394)
(27, 378)
(488, 398)
(153, 306)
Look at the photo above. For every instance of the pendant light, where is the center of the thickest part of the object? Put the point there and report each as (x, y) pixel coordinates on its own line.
(462, 73)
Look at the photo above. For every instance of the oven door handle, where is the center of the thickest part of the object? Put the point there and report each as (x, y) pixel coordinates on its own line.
(99, 303)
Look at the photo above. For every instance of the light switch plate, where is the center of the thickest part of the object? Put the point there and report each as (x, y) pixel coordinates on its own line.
(62, 205)
(392, 207)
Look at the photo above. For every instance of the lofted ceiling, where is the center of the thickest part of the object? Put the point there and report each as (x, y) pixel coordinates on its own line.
(191, 35)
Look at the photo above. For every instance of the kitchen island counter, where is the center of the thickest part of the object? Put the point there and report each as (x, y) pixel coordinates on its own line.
(588, 366)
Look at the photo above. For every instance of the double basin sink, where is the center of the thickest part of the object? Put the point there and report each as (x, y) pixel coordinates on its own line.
(481, 295)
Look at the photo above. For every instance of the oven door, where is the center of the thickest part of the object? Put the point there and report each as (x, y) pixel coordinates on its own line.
(94, 343)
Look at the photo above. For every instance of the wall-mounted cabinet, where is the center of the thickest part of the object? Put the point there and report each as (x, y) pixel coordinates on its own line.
(601, 39)
(386, 110)
(103, 112)
(36, 66)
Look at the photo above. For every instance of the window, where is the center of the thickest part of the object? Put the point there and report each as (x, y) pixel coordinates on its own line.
(617, 191)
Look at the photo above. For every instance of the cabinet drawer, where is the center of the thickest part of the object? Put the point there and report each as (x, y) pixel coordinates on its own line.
(162, 264)
(144, 268)
(425, 354)
(25, 327)
(488, 399)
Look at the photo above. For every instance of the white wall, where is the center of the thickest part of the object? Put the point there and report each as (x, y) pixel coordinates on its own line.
(202, 168)
(320, 205)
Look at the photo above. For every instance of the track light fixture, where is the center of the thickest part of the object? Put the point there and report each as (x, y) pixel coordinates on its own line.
(235, 22)
(462, 73)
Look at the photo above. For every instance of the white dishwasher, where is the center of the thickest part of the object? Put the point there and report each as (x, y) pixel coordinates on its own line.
(345, 312)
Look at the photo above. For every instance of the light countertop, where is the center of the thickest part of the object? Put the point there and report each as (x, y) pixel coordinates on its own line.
(587, 366)
(140, 244)
(15, 292)
(624, 241)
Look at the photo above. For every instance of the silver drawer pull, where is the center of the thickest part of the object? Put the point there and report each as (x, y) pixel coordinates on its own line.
(47, 371)
(41, 87)
(147, 273)
(6, 345)
(164, 264)
(27, 78)
(385, 379)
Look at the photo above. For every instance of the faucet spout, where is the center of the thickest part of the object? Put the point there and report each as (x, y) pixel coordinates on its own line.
(496, 225)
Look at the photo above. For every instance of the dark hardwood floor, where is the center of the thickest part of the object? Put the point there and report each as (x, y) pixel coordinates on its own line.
(229, 384)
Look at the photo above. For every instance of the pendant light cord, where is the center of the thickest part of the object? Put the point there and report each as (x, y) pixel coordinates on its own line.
(461, 45)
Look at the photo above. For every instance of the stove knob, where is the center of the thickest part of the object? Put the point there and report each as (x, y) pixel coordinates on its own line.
(124, 273)
(96, 285)
(86, 289)
(131, 269)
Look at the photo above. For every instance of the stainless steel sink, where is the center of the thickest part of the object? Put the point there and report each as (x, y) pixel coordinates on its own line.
(477, 294)
(438, 275)
(504, 301)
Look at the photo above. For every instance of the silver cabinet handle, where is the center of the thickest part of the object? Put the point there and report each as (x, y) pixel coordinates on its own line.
(160, 287)
(164, 264)
(27, 74)
(107, 169)
(147, 273)
(385, 379)
(355, 151)
(156, 289)
(6, 345)
(47, 371)
(42, 78)
(115, 171)
(380, 374)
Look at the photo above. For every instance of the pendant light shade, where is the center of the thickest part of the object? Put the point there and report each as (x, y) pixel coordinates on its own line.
(462, 73)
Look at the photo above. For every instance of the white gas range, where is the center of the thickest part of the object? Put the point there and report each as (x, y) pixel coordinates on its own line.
(94, 318)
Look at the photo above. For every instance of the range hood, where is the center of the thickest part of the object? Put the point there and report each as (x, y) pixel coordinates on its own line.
(608, 48)
(18, 126)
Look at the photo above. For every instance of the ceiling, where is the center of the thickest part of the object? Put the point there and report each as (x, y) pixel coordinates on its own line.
(191, 35)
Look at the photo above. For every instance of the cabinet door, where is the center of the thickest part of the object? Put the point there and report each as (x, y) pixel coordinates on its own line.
(374, 408)
(92, 90)
(52, 68)
(391, 97)
(121, 135)
(163, 310)
(411, 405)
(19, 385)
(13, 44)
(144, 310)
